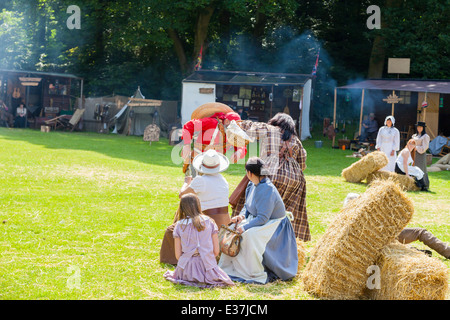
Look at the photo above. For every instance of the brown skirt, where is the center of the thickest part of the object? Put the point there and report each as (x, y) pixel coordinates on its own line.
(167, 251)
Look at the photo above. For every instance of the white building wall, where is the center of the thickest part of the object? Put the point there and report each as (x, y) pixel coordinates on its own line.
(306, 105)
(192, 98)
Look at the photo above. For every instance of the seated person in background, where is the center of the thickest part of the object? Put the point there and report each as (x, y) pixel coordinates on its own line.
(243, 114)
(403, 165)
(5, 115)
(370, 129)
(21, 117)
(212, 190)
(268, 248)
(196, 248)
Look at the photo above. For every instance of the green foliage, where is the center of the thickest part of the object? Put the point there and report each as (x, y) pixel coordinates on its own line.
(13, 40)
(420, 30)
(155, 43)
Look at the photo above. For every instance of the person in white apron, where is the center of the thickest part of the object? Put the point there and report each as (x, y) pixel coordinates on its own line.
(403, 165)
(388, 141)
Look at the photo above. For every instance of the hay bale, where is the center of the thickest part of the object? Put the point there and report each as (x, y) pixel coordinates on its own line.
(339, 261)
(408, 274)
(301, 252)
(407, 183)
(359, 170)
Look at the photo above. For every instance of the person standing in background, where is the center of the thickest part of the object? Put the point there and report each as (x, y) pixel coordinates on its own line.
(422, 143)
(388, 141)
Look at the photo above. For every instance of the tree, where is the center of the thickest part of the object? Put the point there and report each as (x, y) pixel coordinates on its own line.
(13, 39)
(418, 30)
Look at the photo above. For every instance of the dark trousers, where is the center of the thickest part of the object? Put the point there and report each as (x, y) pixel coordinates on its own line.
(368, 136)
(20, 122)
(419, 183)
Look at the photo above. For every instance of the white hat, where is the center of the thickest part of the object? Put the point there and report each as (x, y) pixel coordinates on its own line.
(210, 162)
(390, 118)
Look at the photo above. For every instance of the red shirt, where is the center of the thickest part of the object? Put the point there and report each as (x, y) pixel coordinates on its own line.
(206, 126)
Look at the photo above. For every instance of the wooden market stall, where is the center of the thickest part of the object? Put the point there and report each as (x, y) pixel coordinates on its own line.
(408, 100)
(260, 95)
(45, 94)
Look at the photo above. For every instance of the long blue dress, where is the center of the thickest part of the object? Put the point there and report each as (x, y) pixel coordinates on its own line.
(268, 248)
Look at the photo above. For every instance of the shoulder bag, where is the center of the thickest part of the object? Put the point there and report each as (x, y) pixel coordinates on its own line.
(229, 241)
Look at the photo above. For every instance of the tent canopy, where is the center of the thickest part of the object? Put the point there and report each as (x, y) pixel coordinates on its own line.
(436, 86)
(137, 114)
(247, 78)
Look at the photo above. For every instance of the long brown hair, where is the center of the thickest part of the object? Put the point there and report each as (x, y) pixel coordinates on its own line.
(190, 207)
(413, 152)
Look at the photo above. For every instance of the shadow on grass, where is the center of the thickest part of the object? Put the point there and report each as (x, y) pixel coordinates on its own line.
(111, 145)
(324, 161)
(133, 148)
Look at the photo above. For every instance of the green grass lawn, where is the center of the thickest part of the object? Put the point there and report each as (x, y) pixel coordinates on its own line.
(93, 208)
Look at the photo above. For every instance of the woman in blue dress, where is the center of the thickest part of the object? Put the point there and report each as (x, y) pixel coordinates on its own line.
(268, 247)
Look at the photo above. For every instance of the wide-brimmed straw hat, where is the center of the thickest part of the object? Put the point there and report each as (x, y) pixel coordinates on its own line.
(210, 162)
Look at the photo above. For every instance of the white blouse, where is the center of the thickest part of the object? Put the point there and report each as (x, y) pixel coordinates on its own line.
(422, 142)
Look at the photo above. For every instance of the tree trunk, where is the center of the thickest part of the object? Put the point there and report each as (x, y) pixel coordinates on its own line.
(378, 55)
(179, 50)
(201, 31)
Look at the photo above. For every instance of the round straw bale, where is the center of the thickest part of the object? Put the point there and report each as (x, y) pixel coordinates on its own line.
(407, 183)
(352, 242)
(408, 274)
(208, 109)
(359, 170)
(301, 252)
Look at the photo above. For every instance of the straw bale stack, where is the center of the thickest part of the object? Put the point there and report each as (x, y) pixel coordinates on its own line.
(301, 252)
(208, 109)
(359, 170)
(408, 274)
(407, 183)
(339, 261)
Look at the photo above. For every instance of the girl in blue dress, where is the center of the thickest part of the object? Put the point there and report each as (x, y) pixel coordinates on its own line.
(268, 247)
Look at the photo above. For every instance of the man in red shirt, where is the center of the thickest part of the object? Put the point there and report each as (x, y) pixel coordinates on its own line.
(211, 136)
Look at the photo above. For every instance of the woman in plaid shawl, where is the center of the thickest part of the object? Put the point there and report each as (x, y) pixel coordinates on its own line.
(285, 159)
